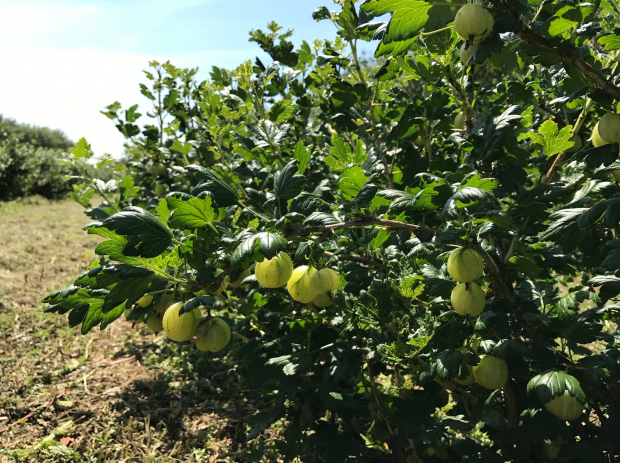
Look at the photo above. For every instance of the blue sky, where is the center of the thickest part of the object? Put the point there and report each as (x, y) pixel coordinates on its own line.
(61, 61)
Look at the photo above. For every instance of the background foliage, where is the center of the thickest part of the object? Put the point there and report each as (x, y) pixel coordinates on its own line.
(365, 172)
(28, 162)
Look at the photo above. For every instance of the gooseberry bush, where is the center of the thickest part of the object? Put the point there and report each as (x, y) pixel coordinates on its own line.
(417, 261)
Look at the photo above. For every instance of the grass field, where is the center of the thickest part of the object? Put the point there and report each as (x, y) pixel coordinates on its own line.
(118, 395)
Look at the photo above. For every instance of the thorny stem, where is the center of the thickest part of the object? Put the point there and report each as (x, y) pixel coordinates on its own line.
(360, 223)
(253, 212)
(323, 319)
(569, 53)
(578, 124)
(358, 259)
(382, 410)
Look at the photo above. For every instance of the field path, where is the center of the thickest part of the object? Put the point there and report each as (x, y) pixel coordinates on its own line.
(123, 394)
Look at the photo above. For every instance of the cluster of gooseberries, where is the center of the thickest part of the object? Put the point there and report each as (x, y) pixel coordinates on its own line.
(305, 284)
(466, 266)
(472, 24)
(212, 333)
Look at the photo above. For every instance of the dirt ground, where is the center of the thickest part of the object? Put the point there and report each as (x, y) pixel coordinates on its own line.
(121, 395)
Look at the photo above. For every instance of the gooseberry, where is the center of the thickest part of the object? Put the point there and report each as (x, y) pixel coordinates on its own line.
(155, 322)
(566, 407)
(325, 281)
(473, 21)
(322, 300)
(213, 335)
(180, 327)
(243, 276)
(491, 372)
(273, 273)
(468, 301)
(465, 265)
(609, 128)
(300, 285)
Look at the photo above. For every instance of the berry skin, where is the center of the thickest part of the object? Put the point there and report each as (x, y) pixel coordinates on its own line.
(213, 335)
(609, 128)
(565, 407)
(274, 273)
(322, 300)
(473, 21)
(145, 300)
(459, 121)
(596, 137)
(155, 322)
(300, 285)
(325, 281)
(491, 372)
(468, 301)
(465, 265)
(180, 327)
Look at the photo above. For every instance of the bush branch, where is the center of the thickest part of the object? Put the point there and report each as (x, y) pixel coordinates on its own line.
(356, 224)
(569, 53)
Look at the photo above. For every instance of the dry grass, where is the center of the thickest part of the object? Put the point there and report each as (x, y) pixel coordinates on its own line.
(123, 394)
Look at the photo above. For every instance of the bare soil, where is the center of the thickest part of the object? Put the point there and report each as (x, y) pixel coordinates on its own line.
(122, 395)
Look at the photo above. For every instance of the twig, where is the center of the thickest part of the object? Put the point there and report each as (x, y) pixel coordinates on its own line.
(323, 319)
(359, 223)
(382, 410)
(358, 259)
(40, 407)
(560, 157)
(569, 53)
(126, 359)
(501, 289)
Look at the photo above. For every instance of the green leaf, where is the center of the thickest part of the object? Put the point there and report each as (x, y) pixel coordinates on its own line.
(411, 16)
(82, 150)
(569, 302)
(262, 245)
(223, 194)
(163, 211)
(303, 155)
(113, 246)
(183, 148)
(127, 188)
(552, 384)
(305, 204)
(112, 315)
(150, 237)
(558, 26)
(281, 111)
(526, 266)
(610, 286)
(193, 213)
(611, 42)
(552, 140)
(351, 182)
(476, 181)
(132, 114)
(286, 183)
(93, 317)
(451, 364)
(382, 236)
(342, 155)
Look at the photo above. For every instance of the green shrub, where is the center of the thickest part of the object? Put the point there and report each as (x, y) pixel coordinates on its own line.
(365, 174)
(26, 169)
(38, 136)
(36, 161)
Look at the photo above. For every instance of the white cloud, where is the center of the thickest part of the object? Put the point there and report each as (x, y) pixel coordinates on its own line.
(52, 75)
(62, 61)
(66, 89)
